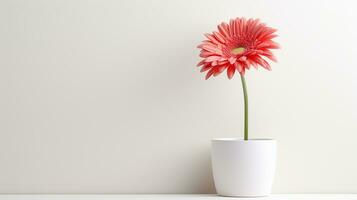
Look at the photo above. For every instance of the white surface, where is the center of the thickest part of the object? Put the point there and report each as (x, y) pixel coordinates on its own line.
(104, 96)
(243, 168)
(177, 197)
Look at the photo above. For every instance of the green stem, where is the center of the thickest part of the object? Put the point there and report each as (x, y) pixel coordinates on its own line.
(245, 107)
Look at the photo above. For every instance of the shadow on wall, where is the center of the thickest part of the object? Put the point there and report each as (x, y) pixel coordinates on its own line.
(176, 84)
(205, 182)
(165, 96)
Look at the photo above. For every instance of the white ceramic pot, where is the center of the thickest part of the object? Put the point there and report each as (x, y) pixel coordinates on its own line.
(243, 168)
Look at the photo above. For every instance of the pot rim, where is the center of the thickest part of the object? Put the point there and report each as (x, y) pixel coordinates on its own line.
(242, 140)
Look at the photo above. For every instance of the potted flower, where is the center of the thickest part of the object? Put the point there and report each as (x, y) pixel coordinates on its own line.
(241, 167)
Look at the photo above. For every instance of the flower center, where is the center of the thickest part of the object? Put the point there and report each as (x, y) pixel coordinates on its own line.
(238, 50)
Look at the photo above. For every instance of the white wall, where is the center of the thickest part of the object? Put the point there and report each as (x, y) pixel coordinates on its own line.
(104, 96)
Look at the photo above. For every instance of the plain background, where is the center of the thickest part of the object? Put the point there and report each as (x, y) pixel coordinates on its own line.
(104, 96)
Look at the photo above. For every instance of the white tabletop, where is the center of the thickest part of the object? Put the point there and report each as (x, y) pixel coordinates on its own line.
(174, 197)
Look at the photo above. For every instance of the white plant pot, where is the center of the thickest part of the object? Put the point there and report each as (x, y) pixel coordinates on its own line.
(243, 168)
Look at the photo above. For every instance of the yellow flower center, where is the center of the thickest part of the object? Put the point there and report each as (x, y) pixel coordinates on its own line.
(238, 50)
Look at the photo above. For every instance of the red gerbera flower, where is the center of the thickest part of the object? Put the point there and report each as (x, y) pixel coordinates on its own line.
(237, 46)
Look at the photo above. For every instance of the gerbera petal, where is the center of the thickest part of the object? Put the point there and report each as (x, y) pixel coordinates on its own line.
(223, 30)
(262, 62)
(243, 58)
(269, 55)
(212, 38)
(249, 26)
(240, 22)
(272, 58)
(244, 22)
(241, 69)
(266, 65)
(232, 60)
(230, 72)
(202, 62)
(211, 48)
(258, 29)
(210, 73)
(251, 62)
(245, 65)
(227, 27)
(212, 58)
(219, 37)
(236, 26)
(219, 70)
(266, 32)
(238, 67)
(253, 25)
(205, 68)
(205, 54)
(232, 27)
(205, 42)
(268, 37)
(223, 59)
(207, 46)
